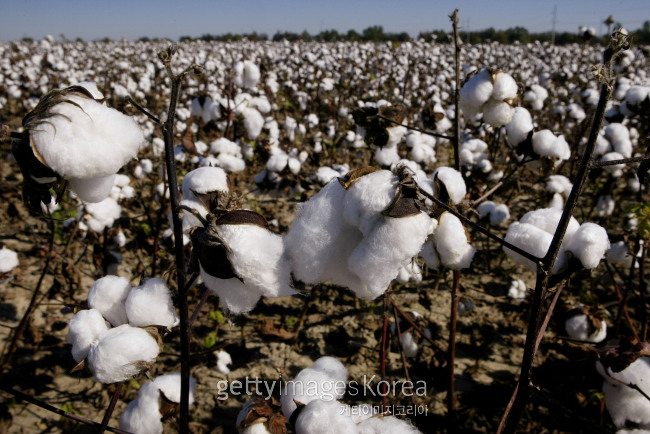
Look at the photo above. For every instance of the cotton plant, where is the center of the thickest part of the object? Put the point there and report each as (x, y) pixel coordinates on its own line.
(71, 134)
(490, 93)
(496, 213)
(517, 289)
(357, 233)
(157, 400)
(585, 323)
(407, 340)
(8, 260)
(117, 336)
(560, 186)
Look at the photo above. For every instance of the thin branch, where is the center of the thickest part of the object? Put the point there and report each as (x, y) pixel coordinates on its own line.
(419, 130)
(111, 407)
(456, 141)
(401, 349)
(596, 164)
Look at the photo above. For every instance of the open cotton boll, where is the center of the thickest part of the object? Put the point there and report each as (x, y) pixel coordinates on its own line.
(615, 169)
(476, 92)
(257, 257)
(8, 260)
(429, 255)
(319, 240)
(386, 156)
(223, 145)
(85, 139)
(326, 174)
(246, 74)
(204, 180)
(309, 385)
(411, 272)
(117, 356)
(451, 242)
(332, 367)
(150, 304)
(546, 144)
(520, 126)
(108, 295)
(485, 208)
(517, 290)
(189, 219)
(559, 184)
(453, 181)
(84, 328)
(589, 244)
(605, 206)
(325, 417)
(170, 386)
(499, 215)
(505, 87)
(230, 163)
(497, 113)
(103, 214)
(380, 255)
(618, 253)
(386, 425)
(624, 404)
(142, 415)
(253, 122)
(223, 360)
(577, 327)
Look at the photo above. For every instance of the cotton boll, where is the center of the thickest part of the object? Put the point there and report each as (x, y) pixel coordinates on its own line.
(142, 415)
(84, 328)
(253, 122)
(429, 255)
(451, 242)
(517, 290)
(233, 295)
(85, 139)
(108, 296)
(378, 258)
(367, 197)
(150, 304)
(499, 214)
(453, 181)
(618, 253)
(102, 214)
(520, 126)
(386, 425)
(410, 272)
(476, 92)
(485, 208)
(559, 184)
(277, 162)
(386, 156)
(8, 260)
(605, 206)
(577, 327)
(326, 174)
(557, 201)
(231, 163)
(332, 367)
(589, 244)
(546, 144)
(497, 113)
(117, 355)
(319, 240)
(531, 239)
(505, 87)
(205, 180)
(616, 169)
(170, 386)
(92, 189)
(324, 417)
(547, 219)
(223, 360)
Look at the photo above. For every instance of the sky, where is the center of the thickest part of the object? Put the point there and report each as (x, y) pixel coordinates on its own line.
(132, 19)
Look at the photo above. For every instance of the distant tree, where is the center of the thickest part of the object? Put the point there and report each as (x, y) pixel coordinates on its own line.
(373, 34)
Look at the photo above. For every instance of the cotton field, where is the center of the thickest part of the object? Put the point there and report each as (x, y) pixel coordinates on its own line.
(273, 237)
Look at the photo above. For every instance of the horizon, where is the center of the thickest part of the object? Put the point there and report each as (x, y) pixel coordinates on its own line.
(165, 19)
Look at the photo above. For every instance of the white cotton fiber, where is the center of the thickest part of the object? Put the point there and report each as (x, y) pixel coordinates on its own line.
(476, 92)
(223, 360)
(547, 219)
(517, 290)
(379, 257)
(84, 328)
(233, 295)
(624, 404)
(108, 296)
(86, 140)
(325, 417)
(386, 425)
(253, 122)
(485, 208)
(332, 367)
(309, 385)
(103, 214)
(451, 242)
(615, 169)
(230, 163)
(618, 253)
(520, 126)
(589, 244)
(505, 87)
(559, 184)
(530, 238)
(205, 180)
(319, 240)
(429, 255)
(92, 189)
(386, 156)
(546, 144)
(326, 174)
(170, 386)
(116, 355)
(150, 304)
(367, 198)
(257, 256)
(497, 113)
(223, 145)
(499, 215)
(577, 327)
(453, 181)
(142, 415)
(8, 260)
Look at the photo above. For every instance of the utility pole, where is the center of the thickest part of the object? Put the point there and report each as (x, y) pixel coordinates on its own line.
(553, 27)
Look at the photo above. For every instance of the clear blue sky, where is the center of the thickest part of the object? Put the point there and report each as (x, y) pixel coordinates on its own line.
(95, 19)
